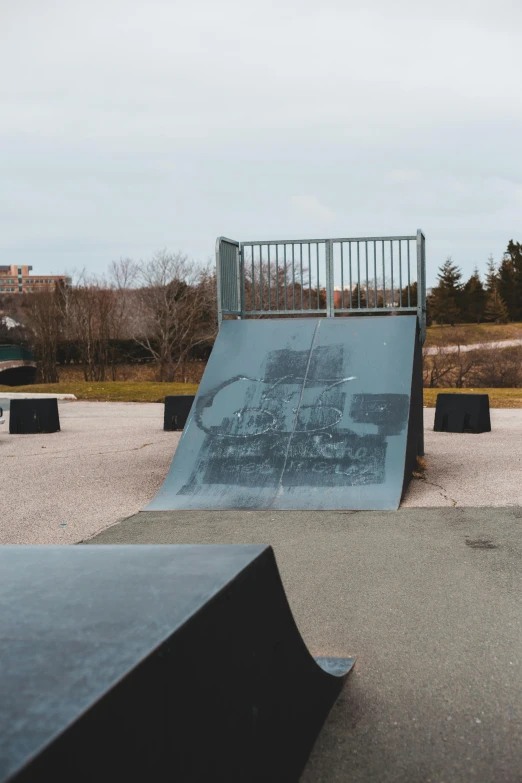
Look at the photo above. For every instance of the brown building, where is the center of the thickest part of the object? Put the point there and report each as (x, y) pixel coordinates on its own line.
(17, 280)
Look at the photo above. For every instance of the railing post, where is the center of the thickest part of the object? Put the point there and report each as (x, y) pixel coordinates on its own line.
(228, 278)
(218, 282)
(421, 283)
(329, 279)
(421, 314)
(240, 281)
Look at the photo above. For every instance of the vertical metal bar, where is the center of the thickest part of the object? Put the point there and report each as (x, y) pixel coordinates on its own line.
(400, 273)
(342, 277)
(318, 286)
(350, 261)
(253, 279)
(421, 280)
(367, 292)
(329, 279)
(301, 272)
(260, 277)
(286, 280)
(383, 278)
(423, 267)
(277, 277)
(421, 315)
(358, 278)
(374, 274)
(293, 277)
(269, 280)
(240, 280)
(309, 278)
(409, 294)
(219, 282)
(391, 267)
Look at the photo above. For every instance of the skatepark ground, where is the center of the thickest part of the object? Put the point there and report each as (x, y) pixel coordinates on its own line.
(427, 598)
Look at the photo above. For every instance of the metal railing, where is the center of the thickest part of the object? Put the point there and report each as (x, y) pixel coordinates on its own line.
(330, 277)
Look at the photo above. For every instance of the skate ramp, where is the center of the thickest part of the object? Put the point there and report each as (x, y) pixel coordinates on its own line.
(158, 663)
(302, 414)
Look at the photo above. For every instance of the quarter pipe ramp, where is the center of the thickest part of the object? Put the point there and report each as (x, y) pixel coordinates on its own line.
(302, 413)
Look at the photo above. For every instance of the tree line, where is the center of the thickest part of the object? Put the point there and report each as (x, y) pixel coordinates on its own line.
(497, 299)
(164, 311)
(161, 309)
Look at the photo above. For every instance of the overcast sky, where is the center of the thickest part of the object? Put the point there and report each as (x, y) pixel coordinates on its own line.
(131, 126)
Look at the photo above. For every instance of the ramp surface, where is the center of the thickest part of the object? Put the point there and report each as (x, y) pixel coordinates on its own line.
(300, 414)
(162, 663)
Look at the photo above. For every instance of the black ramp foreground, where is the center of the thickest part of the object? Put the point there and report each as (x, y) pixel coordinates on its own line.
(310, 413)
(162, 663)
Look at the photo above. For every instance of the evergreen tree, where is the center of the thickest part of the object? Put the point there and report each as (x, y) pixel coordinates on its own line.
(450, 275)
(358, 299)
(514, 251)
(474, 298)
(491, 275)
(506, 286)
(447, 296)
(413, 296)
(496, 310)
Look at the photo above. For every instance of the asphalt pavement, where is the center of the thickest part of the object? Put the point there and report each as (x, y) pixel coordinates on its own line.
(110, 459)
(107, 462)
(427, 600)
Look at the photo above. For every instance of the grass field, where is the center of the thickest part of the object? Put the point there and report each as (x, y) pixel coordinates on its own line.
(467, 334)
(498, 398)
(112, 391)
(123, 391)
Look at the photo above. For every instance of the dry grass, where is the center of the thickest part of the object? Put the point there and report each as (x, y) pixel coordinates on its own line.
(133, 373)
(422, 466)
(498, 398)
(113, 391)
(467, 334)
(122, 391)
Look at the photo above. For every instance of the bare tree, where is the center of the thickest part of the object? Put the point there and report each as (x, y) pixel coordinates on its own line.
(437, 367)
(124, 274)
(466, 363)
(123, 279)
(44, 316)
(88, 311)
(177, 306)
(501, 367)
(271, 286)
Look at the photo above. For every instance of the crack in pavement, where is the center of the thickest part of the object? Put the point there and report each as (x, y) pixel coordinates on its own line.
(444, 493)
(83, 454)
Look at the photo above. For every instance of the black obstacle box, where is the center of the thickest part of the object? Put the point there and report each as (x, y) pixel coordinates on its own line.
(462, 413)
(177, 409)
(28, 417)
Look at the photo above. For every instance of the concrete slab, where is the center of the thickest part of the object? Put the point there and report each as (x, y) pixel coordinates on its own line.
(471, 470)
(428, 600)
(107, 462)
(110, 459)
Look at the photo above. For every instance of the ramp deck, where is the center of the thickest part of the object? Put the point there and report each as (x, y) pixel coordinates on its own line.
(306, 413)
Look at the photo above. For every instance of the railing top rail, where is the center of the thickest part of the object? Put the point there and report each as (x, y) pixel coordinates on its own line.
(321, 241)
(226, 239)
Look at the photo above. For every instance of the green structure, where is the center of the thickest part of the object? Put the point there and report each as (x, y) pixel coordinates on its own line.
(17, 366)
